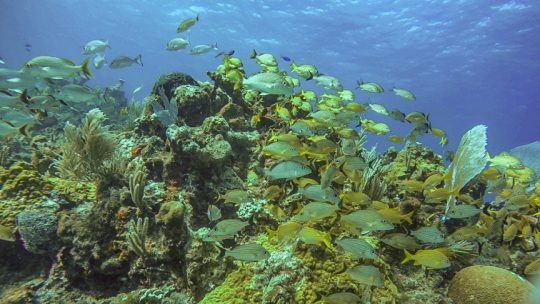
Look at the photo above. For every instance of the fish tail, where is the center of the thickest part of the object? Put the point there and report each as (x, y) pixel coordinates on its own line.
(197, 17)
(326, 239)
(138, 59)
(24, 96)
(271, 233)
(253, 54)
(408, 217)
(24, 130)
(85, 69)
(408, 256)
(293, 67)
(215, 46)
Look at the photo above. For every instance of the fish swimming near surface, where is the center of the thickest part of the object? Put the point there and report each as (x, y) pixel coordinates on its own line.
(286, 58)
(176, 44)
(203, 48)
(125, 61)
(96, 46)
(2, 61)
(404, 93)
(186, 24)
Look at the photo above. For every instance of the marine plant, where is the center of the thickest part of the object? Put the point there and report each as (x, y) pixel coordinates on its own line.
(167, 110)
(137, 233)
(88, 151)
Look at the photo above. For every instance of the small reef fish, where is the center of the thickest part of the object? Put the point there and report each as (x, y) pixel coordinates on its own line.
(225, 229)
(355, 197)
(286, 58)
(281, 150)
(96, 46)
(268, 83)
(397, 115)
(306, 71)
(286, 231)
(302, 128)
(396, 139)
(379, 128)
(235, 196)
(317, 193)
(393, 215)
(186, 24)
(328, 82)
(288, 170)
(250, 252)
(359, 249)
(315, 211)
(203, 48)
(463, 211)
(429, 258)
(79, 93)
(438, 132)
(355, 107)
(2, 61)
(267, 61)
(428, 235)
(404, 93)
(9, 130)
(366, 274)
(416, 117)
(341, 298)
(176, 44)
(378, 108)
(99, 61)
(313, 236)
(432, 181)
(346, 95)
(400, 241)
(367, 220)
(124, 61)
(505, 160)
(371, 87)
(411, 185)
(213, 213)
(56, 68)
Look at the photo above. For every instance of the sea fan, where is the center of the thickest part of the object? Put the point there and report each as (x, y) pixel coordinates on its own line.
(469, 161)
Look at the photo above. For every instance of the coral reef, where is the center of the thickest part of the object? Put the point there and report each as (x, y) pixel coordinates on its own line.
(191, 204)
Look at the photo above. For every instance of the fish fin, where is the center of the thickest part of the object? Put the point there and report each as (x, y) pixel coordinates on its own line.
(408, 217)
(326, 239)
(138, 59)
(24, 97)
(310, 76)
(253, 54)
(24, 130)
(68, 61)
(197, 17)
(408, 256)
(293, 67)
(85, 69)
(271, 233)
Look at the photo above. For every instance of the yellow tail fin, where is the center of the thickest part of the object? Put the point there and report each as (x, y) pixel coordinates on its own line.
(85, 69)
(408, 217)
(326, 239)
(271, 233)
(408, 256)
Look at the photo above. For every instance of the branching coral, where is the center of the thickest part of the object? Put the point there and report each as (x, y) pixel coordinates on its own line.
(137, 236)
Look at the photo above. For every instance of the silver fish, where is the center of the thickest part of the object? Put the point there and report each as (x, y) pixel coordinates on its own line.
(203, 48)
(176, 44)
(430, 235)
(268, 83)
(99, 61)
(288, 170)
(359, 249)
(125, 61)
(214, 213)
(250, 252)
(366, 274)
(96, 46)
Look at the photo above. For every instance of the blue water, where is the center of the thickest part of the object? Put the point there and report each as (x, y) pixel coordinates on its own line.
(468, 62)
